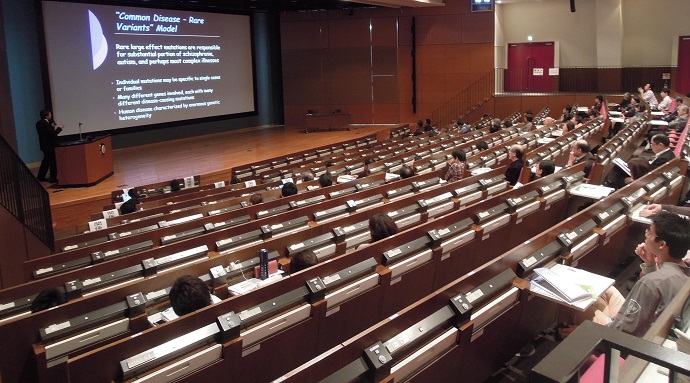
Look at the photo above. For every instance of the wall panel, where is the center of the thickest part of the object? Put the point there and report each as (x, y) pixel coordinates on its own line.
(385, 89)
(305, 63)
(304, 35)
(384, 60)
(384, 32)
(349, 32)
(345, 61)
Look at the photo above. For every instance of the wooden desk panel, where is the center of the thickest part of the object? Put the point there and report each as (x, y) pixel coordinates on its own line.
(320, 121)
(85, 164)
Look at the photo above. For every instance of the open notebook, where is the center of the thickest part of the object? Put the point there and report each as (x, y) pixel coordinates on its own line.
(569, 286)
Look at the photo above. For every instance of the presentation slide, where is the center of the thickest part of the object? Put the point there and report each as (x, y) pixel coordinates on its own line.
(113, 67)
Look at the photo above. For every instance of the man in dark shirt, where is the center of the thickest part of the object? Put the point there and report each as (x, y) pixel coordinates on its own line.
(513, 171)
(47, 131)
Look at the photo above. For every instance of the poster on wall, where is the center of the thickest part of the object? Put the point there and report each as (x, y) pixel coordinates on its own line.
(537, 71)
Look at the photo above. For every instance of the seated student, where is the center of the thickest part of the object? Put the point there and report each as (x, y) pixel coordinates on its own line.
(381, 226)
(456, 166)
(545, 168)
(681, 121)
(427, 125)
(463, 128)
(507, 124)
(420, 128)
(308, 176)
(577, 121)
(568, 126)
(666, 242)
(256, 199)
(579, 153)
(288, 189)
(549, 121)
(529, 125)
(672, 115)
(513, 172)
(365, 171)
(595, 110)
(406, 172)
(625, 102)
(567, 111)
(617, 177)
(50, 297)
(131, 205)
(175, 185)
(325, 180)
(188, 294)
(482, 145)
(666, 100)
(647, 93)
(303, 260)
(662, 153)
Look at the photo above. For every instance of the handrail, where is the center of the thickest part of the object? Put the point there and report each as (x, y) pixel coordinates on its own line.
(564, 362)
(468, 100)
(23, 196)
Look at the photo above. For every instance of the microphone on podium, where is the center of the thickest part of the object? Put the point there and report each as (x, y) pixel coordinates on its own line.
(80, 139)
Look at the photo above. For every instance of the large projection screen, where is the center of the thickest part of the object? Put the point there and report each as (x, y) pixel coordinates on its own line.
(113, 67)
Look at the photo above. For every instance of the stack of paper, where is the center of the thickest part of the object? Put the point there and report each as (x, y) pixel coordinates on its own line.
(570, 286)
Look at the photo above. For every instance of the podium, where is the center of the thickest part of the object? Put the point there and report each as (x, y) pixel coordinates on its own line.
(84, 162)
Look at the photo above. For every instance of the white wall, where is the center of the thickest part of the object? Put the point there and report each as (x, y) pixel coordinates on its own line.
(550, 20)
(651, 30)
(646, 34)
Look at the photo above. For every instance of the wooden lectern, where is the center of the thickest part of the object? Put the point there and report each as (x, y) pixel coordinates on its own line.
(84, 162)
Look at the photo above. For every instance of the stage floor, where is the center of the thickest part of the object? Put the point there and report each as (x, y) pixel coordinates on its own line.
(212, 155)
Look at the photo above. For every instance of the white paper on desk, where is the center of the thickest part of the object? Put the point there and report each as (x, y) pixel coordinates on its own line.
(635, 215)
(591, 191)
(585, 284)
(617, 119)
(659, 122)
(657, 113)
(621, 164)
(562, 286)
(615, 113)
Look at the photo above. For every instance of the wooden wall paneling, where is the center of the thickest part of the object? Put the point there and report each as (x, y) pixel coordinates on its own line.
(351, 89)
(456, 83)
(535, 103)
(384, 60)
(609, 80)
(384, 32)
(557, 102)
(422, 27)
(35, 248)
(385, 89)
(431, 59)
(12, 240)
(405, 30)
(458, 58)
(306, 91)
(504, 106)
(457, 6)
(349, 32)
(585, 99)
(386, 113)
(361, 113)
(305, 63)
(482, 58)
(349, 61)
(431, 88)
(446, 29)
(304, 35)
(478, 28)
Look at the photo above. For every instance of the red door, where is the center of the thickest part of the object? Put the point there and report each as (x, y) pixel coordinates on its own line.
(683, 71)
(528, 67)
